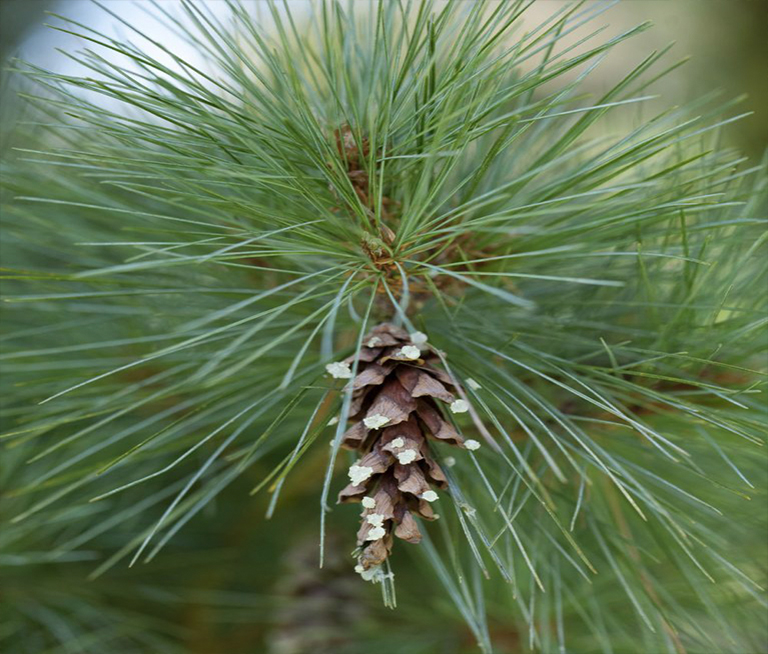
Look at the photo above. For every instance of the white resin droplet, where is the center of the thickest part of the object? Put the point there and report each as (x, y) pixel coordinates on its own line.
(459, 406)
(376, 533)
(358, 474)
(429, 496)
(339, 370)
(410, 352)
(375, 421)
(407, 456)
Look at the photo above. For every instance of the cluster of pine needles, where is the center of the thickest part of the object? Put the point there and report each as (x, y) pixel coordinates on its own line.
(187, 242)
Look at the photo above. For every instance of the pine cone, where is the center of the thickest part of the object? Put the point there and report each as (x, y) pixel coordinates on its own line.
(395, 409)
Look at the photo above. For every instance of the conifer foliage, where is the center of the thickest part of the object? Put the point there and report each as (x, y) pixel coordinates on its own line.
(416, 230)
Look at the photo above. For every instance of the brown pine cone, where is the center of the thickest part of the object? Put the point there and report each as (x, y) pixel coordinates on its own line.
(396, 407)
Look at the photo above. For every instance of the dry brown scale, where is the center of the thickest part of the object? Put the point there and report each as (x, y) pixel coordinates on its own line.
(396, 408)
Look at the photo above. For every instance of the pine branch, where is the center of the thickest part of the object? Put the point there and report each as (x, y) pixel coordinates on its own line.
(187, 247)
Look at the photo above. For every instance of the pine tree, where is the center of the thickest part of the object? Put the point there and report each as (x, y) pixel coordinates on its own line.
(404, 228)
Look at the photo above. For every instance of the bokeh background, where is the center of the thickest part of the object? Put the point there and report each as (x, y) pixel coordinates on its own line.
(724, 39)
(259, 590)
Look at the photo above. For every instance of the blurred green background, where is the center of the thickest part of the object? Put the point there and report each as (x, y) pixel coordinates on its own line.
(725, 40)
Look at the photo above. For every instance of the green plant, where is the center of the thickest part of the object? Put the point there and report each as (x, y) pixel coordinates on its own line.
(189, 246)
